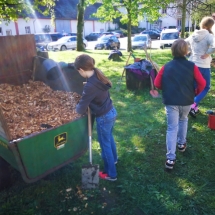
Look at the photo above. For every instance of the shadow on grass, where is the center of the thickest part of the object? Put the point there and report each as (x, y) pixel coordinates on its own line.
(143, 187)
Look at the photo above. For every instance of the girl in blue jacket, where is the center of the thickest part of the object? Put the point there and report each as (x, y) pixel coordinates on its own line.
(96, 95)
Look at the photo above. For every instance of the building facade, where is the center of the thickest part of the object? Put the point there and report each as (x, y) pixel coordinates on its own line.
(170, 18)
(65, 21)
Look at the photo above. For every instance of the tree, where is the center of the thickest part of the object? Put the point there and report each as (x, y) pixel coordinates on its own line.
(11, 10)
(80, 25)
(205, 8)
(197, 9)
(130, 12)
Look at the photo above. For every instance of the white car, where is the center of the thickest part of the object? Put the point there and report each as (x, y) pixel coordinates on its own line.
(168, 36)
(64, 43)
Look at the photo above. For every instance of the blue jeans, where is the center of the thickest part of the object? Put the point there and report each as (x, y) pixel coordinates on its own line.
(177, 122)
(105, 126)
(206, 73)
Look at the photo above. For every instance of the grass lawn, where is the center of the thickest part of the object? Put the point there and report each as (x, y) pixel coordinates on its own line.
(143, 187)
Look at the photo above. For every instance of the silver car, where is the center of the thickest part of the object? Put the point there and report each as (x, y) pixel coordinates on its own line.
(141, 41)
(64, 43)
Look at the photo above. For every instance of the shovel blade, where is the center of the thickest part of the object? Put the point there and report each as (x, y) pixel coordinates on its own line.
(155, 94)
(90, 176)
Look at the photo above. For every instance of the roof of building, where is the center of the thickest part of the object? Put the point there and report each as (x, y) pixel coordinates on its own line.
(66, 9)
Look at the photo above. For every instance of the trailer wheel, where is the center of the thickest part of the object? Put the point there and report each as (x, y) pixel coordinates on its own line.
(5, 177)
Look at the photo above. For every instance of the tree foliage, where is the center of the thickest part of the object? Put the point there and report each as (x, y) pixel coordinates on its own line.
(11, 10)
(204, 8)
(197, 9)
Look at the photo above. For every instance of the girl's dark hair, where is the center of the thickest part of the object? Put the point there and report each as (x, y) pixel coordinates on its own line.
(179, 48)
(86, 63)
(207, 23)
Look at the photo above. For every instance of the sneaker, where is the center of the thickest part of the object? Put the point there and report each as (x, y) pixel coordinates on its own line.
(182, 147)
(169, 164)
(197, 111)
(192, 112)
(102, 174)
(106, 177)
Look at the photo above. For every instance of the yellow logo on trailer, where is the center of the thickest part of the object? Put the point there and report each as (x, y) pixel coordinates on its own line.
(3, 144)
(60, 140)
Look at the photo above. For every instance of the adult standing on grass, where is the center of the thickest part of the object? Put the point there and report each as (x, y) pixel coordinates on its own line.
(96, 95)
(176, 79)
(202, 45)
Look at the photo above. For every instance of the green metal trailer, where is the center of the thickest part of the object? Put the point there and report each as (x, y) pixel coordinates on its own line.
(39, 154)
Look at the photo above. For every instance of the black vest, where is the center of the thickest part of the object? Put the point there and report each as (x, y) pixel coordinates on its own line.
(178, 82)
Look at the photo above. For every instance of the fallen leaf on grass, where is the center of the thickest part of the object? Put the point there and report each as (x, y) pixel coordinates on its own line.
(68, 190)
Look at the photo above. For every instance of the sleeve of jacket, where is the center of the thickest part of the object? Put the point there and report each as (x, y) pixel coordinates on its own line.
(87, 96)
(201, 83)
(211, 44)
(158, 79)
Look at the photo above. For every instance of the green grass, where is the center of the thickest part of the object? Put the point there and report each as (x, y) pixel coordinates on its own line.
(143, 187)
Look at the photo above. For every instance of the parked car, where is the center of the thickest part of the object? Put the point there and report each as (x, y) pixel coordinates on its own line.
(157, 30)
(64, 43)
(43, 39)
(152, 34)
(108, 42)
(172, 27)
(118, 35)
(70, 34)
(168, 36)
(141, 41)
(106, 33)
(120, 32)
(93, 36)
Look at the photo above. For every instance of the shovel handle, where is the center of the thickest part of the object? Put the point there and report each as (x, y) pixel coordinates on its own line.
(152, 84)
(149, 58)
(89, 122)
(90, 134)
(126, 64)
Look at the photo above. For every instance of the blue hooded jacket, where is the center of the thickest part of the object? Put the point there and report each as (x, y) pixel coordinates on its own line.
(95, 95)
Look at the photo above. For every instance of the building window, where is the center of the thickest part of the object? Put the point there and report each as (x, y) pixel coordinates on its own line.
(163, 10)
(1, 32)
(8, 32)
(179, 22)
(179, 11)
(27, 30)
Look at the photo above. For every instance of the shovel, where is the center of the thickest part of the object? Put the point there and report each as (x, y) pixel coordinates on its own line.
(90, 172)
(154, 93)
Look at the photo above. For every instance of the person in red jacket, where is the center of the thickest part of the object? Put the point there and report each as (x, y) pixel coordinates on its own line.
(176, 80)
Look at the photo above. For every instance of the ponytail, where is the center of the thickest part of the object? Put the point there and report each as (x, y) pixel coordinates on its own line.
(101, 77)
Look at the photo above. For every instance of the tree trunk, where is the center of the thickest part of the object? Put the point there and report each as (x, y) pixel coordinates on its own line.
(183, 18)
(129, 30)
(80, 25)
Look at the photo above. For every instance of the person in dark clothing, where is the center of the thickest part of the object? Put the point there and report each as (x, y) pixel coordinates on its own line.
(96, 95)
(176, 79)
